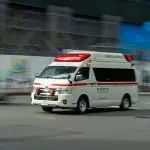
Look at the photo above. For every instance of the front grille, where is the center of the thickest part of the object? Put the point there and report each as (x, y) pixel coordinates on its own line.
(46, 97)
(42, 90)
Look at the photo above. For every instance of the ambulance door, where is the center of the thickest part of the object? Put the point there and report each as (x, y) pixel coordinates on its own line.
(84, 84)
(103, 90)
(92, 86)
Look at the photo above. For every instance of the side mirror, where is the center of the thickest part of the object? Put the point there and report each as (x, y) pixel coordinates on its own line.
(78, 77)
(68, 77)
(37, 75)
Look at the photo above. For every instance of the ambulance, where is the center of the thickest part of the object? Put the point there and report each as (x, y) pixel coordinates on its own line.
(82, 80)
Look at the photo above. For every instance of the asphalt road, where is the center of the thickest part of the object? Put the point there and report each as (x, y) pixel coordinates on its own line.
(26, 127)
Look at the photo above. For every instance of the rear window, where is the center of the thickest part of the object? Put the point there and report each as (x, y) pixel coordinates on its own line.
(114, 75)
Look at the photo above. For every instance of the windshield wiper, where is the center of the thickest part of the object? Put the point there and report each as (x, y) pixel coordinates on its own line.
(49, 77)
(60, 77)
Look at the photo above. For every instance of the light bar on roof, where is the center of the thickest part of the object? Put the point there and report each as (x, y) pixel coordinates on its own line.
(72, 57)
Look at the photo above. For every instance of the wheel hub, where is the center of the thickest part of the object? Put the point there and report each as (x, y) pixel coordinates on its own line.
(126, 103)
(82, 106)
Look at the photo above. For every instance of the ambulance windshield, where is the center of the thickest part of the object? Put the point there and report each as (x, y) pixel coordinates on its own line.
(57, 72)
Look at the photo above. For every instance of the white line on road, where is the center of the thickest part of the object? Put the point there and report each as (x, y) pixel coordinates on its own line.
(147, 103)
(135, 108)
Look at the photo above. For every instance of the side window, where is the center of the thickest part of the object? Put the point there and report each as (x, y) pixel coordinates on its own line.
(114, 75)
(102, 74)
(83, 73)
(126, 75)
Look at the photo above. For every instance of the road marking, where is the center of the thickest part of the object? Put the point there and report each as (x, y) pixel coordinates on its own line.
(144, 93)
(135, 108)
(147, 103)
(132, 108)
(46, 117)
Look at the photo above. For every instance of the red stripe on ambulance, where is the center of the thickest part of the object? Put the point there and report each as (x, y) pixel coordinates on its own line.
(98, 83)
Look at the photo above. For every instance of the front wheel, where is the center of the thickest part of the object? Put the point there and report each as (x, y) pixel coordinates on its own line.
(82, 105)
(126, 103)
(47, 109)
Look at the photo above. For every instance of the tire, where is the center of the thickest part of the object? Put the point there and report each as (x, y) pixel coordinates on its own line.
(47, 109)
(82, 105)
(126, 103)
(4, 98)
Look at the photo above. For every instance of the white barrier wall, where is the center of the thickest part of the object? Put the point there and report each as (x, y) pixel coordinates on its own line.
(18, 72)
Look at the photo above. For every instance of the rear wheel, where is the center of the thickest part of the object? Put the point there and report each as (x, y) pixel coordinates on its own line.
(126, 103)
(47, 109)
(82, 105)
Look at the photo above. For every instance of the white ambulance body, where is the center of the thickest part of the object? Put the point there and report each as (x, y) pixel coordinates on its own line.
(86, 79)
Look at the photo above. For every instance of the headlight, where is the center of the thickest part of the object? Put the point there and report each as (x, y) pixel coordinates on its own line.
(64, 91)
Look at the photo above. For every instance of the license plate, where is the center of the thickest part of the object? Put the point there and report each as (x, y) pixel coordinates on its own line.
(44, 103)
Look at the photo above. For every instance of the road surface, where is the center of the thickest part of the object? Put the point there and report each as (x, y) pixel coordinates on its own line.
(26, 127)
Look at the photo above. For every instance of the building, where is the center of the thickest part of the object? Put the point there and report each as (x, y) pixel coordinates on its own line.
(27, 31)
(134, 11)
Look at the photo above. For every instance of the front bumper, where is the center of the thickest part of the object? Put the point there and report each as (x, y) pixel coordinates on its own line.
(55, 101)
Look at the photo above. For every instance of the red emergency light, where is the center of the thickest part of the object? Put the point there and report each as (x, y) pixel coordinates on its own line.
(52, 91)
(37, 90)
(128, 57)
(72, 57)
